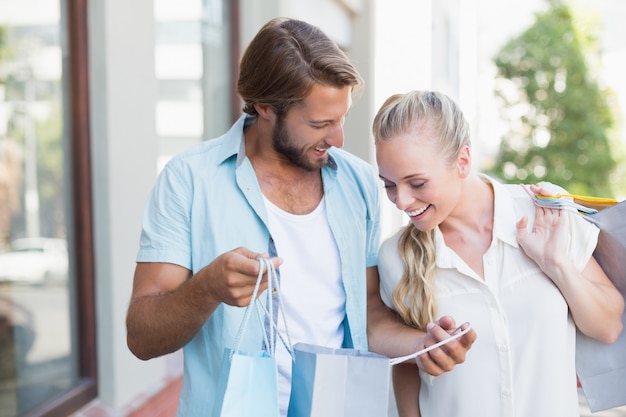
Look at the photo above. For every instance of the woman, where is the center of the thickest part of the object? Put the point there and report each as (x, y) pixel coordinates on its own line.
(481, 252)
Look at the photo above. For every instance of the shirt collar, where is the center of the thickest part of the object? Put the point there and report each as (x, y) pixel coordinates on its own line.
(233, 143)
(504, 213)
(503, 224)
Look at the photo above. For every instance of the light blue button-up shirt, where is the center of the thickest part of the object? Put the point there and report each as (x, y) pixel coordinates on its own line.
(207, 201)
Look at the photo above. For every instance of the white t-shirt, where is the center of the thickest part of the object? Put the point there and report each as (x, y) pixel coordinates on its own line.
(523, 361)
(310, 282)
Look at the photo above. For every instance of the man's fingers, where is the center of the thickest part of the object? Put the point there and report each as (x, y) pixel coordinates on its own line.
(247, 262)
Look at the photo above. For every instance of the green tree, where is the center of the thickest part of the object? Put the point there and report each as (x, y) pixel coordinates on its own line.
(560, 118)
(38, 136)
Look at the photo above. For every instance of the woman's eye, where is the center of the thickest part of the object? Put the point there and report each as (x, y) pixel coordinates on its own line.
(417, 185)
(387, 186)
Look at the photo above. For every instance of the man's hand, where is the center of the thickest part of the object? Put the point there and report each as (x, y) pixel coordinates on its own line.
(231, 277)
(168, 306)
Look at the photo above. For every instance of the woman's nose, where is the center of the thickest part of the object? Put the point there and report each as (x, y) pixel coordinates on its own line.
(403, 198)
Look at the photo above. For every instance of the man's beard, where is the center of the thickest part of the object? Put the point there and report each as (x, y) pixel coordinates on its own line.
(284, 145)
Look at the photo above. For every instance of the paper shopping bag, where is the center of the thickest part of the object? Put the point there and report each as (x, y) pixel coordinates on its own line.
(248, 381)
(601, 368)
(330, 382)
(611, 249)
(248, 385)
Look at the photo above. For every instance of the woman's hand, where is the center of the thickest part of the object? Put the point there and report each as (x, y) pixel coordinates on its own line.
(545, 243)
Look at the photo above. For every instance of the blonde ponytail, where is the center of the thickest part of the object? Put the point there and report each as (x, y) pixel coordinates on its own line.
(414, 296)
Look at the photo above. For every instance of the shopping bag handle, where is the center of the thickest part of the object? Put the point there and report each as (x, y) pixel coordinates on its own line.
(273, 277)
(586, 206)
(246, 315)
(272, 284)
(456, 333)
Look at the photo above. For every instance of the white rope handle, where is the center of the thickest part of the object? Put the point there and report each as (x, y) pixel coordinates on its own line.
(246, 315)
(456, 333)
(267, 339)
(273, 283)
(273, 277)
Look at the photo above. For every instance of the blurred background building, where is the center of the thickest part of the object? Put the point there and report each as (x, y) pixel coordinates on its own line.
(95, 97)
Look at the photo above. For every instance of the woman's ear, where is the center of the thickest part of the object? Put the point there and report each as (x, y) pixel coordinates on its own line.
(464, 162)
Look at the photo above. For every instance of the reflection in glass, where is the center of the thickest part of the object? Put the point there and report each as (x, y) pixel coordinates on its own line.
(37, 361)
(192, 66)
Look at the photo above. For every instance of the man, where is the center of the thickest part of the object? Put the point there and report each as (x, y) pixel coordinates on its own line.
(276, 184)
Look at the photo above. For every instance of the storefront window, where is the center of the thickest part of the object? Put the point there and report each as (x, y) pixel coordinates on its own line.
(193, 70)
(38, 353)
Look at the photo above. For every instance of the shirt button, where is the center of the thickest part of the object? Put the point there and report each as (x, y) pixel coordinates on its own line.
(504, 348)
(506, 392)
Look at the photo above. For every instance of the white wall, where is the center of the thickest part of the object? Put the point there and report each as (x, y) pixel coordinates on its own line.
(124, 154)
(422, 45)
(403, 62)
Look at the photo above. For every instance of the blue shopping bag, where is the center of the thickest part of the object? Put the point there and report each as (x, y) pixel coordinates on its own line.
(248, 385)
(248, 381)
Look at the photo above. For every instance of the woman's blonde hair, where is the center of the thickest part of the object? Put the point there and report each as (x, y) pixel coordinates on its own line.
(414, 296)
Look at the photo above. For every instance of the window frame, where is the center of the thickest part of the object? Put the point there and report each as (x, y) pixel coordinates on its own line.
(235, 51)
(81, 221)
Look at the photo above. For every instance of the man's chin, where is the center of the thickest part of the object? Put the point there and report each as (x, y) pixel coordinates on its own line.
(312, 165)
(319, 163)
